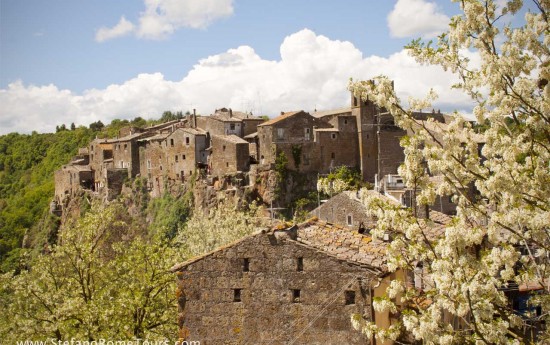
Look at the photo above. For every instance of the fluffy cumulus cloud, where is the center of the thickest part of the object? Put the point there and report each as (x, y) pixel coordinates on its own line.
(123, 28)
(162, 17)
(312, 73)
(416, 18)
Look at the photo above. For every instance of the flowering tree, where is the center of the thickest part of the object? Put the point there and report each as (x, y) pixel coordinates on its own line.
(209, 229)
(500, 235)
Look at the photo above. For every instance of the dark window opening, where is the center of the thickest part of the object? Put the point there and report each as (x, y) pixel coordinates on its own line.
(345, 121)
(299, 264)
(295, 296)
(333, 135)
(223, 147)
(237, 295)
(183, 156)
(350, 219)
(332, 155)
(232, 126)
(187, 140)
(350, 297)
(171, 142)
(161, 168)
(227, 164)
(246, 265)
(176, 157)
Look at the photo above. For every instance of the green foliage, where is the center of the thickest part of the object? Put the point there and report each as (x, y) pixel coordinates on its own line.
(297, 155)
(281, 162)
(96, 126)
(106, 279)
(27, 164)
(303, 206)
(170, 213)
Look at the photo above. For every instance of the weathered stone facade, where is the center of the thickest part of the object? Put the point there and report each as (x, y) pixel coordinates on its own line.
(272, 288)
(229, 154)
(345, 209)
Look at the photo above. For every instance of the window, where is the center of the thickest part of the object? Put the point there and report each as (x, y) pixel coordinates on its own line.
(295, 296)
(345, 121)
(246, 265)
(307, 133)
(148, 164)
(125, 147)
(299, 264)
(280, 133)
(223, 147)
(232, 126)
(186, 140)
(182, 156)
(172, 142)
(350, 297)
(332, 155)
(237, 295)
(227, 164)
(350, 220)
(161, 168)
(176, 158)
(333, 136)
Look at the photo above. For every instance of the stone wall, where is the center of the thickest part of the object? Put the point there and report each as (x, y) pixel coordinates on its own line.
(344, 209)
(229, 155)
(265, 290)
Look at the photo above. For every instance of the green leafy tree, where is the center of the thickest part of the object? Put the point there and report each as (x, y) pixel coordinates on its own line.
(95, 284)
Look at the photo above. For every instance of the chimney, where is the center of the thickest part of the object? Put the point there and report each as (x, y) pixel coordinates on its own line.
(194, 118)
(282, 112)
(230, 113)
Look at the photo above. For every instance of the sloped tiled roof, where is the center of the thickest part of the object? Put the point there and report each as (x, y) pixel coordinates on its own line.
(231, 138)
(344, 243)
(280, 118)
(324, 113)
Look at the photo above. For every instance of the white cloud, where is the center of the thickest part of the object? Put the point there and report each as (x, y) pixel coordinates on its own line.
(162, 17)
(313, 72)
(416, 18)
(123, 28)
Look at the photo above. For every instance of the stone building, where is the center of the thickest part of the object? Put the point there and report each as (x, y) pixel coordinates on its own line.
(229, 154)
(345, 209)
(185, 151)
(70, 179)
(280, 287)
(292, 134)
(228, 122)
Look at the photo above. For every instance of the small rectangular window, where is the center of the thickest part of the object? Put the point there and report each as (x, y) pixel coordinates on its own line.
(237, 295)
(350, 220)
(232, 126)
(299, 264)
(280, 133)
(176, 157)
(186, 140)
(332, 155)
(182, 156)
(295, 296)
(172, 142)
(333, 135)
(345, 121)
(246, 265)
(350, 297)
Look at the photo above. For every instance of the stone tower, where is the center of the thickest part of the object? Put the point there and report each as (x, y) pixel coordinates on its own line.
(365, 113)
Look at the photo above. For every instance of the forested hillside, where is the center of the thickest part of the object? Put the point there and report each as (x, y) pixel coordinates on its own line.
(27, 164)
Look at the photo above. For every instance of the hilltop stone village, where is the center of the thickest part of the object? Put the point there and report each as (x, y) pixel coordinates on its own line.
(235, 146)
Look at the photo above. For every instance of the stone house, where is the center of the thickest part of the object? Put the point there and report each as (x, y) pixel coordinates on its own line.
(228, 122)
(345, 209)
(281, 287)
(292, 134)
(126, 152)
(229, 154)
(185, 151)
(70, 179)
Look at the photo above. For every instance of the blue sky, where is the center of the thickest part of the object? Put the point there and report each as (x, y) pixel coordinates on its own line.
(64, 61)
